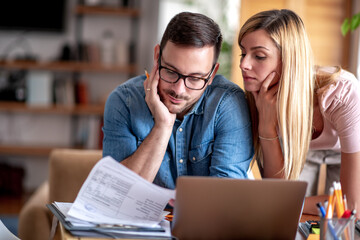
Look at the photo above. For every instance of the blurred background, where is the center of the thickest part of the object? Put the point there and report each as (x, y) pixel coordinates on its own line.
(60, 59)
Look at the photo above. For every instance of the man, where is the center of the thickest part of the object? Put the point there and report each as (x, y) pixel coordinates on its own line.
(182, 119)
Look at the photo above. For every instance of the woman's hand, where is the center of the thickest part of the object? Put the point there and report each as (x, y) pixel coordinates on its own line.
(265, 100)
(160, 112)
(350, 179)
(172, 202)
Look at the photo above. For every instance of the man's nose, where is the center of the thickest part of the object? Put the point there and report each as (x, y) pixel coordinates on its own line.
(179, 87)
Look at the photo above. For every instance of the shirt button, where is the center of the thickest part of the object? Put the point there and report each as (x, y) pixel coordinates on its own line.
(194, 158)
(181, 161)
(180, 129)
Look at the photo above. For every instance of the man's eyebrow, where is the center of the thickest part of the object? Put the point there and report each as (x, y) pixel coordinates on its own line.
(177, 70)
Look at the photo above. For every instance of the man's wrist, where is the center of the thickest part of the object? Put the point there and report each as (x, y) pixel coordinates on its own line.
(163, 127)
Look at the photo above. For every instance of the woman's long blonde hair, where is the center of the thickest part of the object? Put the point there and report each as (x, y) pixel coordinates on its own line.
(295, 97)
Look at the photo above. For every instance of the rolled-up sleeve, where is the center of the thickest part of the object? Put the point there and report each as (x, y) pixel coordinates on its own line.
(118, 141)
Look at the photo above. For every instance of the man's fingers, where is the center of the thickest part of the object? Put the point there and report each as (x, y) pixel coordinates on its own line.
(152, 79)
(154, 82)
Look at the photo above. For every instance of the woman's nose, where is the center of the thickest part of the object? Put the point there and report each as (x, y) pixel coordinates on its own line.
(245, 63)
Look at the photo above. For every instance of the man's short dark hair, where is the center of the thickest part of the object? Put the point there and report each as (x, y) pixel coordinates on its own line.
(195, 30)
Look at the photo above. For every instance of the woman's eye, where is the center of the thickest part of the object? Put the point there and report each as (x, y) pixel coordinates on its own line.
(242, 55)
(260, 57)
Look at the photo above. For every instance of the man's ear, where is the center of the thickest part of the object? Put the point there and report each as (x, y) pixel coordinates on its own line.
(214, 73)
(156, 53)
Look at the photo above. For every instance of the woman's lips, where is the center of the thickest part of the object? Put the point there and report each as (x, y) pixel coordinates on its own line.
(247, 78)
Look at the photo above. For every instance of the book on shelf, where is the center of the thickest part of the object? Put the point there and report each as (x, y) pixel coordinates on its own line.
(88, 132)
(81, 92)
(94, 123)
(64, 91)
(116, 202)
(93, 52)
(39, 88)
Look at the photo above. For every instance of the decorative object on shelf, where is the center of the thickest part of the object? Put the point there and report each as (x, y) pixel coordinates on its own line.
(64, 91)
(39, 85)
(122, 53)
(13, 88)
(19, 49)
(108, 48)
(66, 53)
(81, 92)
(93, 2)
(350, 24)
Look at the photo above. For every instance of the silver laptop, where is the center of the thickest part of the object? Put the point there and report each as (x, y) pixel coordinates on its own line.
(222, 208)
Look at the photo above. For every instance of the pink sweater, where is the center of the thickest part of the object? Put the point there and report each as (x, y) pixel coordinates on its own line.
(340, 107)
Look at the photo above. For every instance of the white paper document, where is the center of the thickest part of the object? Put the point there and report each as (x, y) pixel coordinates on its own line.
(82, 228)
(5, 233)
(113, 194)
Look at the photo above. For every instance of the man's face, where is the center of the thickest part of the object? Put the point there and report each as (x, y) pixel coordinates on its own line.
(189, 61)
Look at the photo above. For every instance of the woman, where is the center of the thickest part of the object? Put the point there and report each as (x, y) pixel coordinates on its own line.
(296, 106)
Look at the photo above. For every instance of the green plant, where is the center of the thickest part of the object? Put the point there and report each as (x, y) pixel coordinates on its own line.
(350, 24)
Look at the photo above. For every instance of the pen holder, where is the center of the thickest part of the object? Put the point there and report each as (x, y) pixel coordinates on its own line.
(337, 228)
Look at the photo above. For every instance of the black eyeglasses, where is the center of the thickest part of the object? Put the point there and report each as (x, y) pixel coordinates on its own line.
(193, 83)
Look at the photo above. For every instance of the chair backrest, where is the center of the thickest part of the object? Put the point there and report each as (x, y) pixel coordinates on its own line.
(68, 169)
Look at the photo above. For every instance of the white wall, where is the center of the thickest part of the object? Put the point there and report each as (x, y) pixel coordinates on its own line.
(56, 129)
(354, 44)
(224, 12)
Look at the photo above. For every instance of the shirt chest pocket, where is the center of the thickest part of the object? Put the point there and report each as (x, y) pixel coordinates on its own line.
(201, 153)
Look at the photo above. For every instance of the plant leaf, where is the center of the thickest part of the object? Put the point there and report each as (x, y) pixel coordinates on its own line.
(345, 27)
(355, 22)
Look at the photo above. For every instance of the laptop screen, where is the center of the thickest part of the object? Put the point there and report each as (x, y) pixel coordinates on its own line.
(222, 208)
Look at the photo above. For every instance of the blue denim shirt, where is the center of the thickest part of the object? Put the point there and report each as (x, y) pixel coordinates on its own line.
(213, 139)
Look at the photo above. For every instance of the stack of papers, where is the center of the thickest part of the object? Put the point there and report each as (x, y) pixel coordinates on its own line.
(5, 233)
(116, 202)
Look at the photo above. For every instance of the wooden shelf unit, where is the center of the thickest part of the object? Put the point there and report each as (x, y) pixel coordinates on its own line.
(68, 66)
(34, 151)
(99, 10)
(88, 109)
(17, 150)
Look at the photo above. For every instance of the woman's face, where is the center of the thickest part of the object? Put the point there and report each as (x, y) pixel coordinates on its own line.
(259, 58)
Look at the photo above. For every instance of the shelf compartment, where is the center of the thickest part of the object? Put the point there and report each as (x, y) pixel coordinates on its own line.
(25, 150)
(88, 109)
(34, 151)
(68, 66)
(103, 10)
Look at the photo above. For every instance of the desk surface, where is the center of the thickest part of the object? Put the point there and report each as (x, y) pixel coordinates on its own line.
(63, 234)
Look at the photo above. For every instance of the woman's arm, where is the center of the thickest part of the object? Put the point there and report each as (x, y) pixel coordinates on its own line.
(310, 204)
(265, 99)
(350, 179)
(273, 158)
(350, 184)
